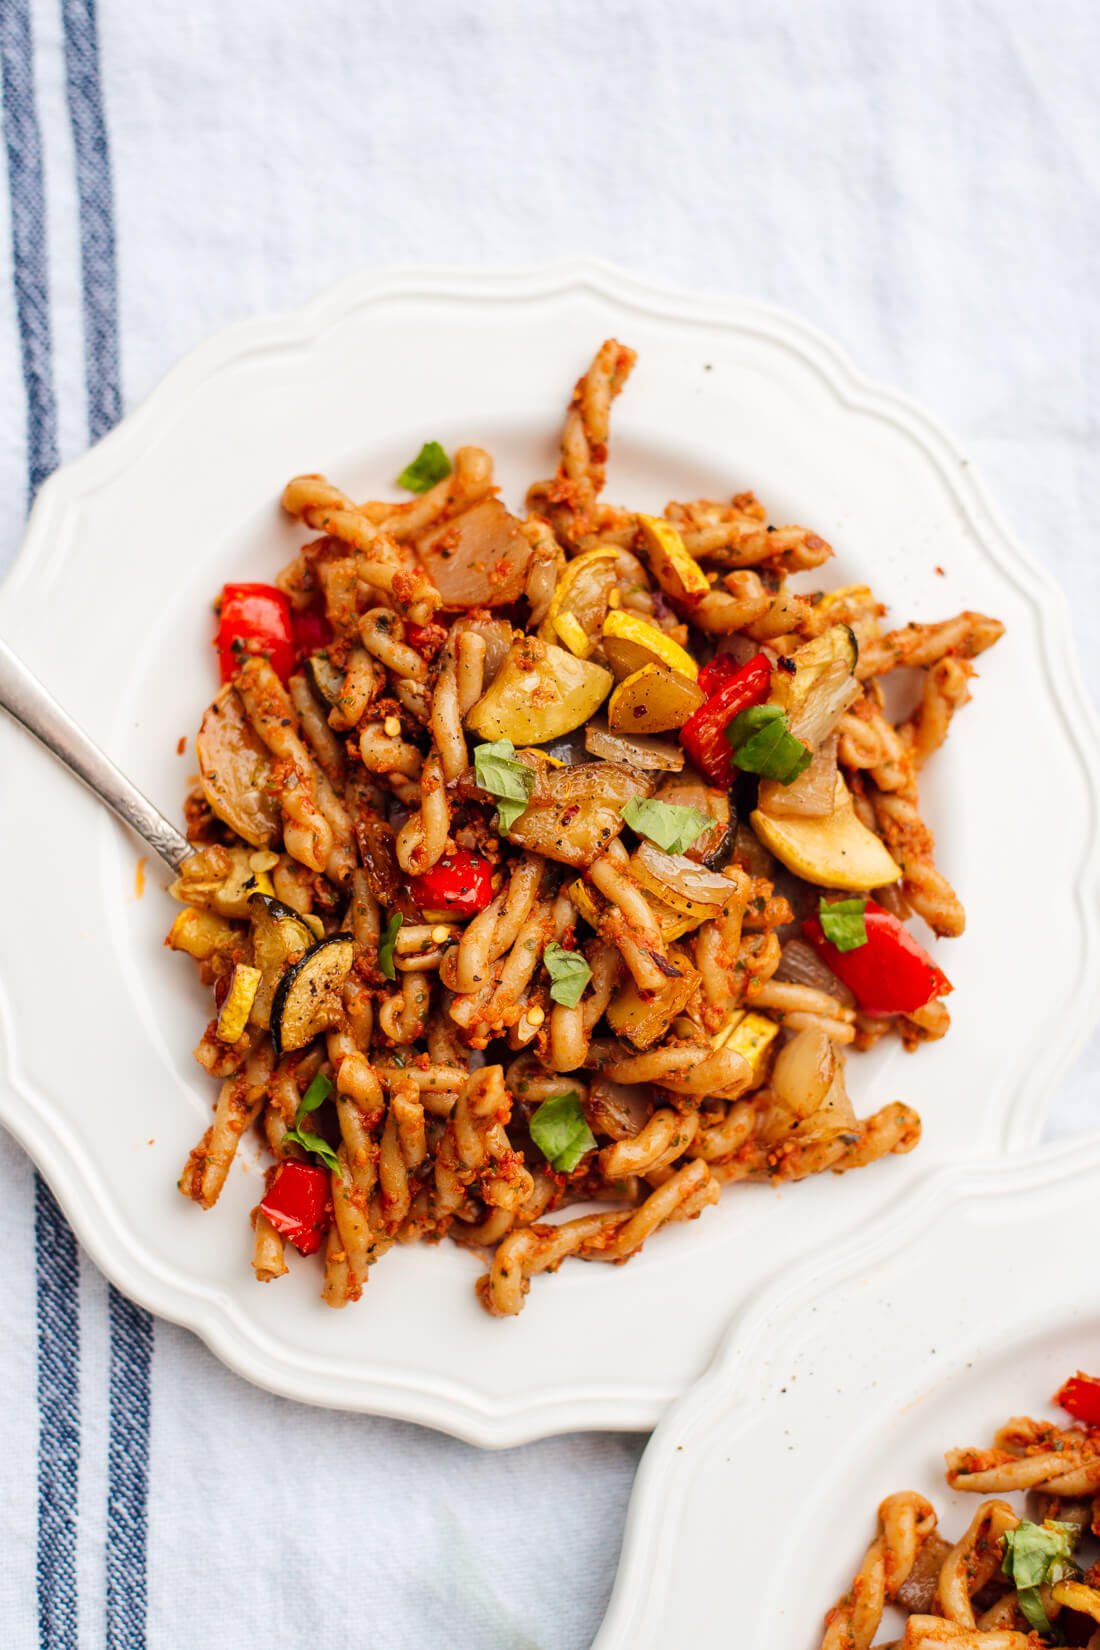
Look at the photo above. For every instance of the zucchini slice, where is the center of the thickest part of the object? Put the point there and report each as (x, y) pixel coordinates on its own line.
(308, 998)
(822, 685)
(278, 934)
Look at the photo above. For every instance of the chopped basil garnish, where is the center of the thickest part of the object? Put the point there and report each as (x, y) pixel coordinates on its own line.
(560, 1132)
(569, 974)
(843, 923)
(1036, 1554)
(386, 941)
(430, 465)
(763, 743)
(316, 1095)
(667, 824)
(497, 771)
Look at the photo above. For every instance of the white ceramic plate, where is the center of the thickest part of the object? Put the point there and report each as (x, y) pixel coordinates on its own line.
(756, 1496)
(109, 604)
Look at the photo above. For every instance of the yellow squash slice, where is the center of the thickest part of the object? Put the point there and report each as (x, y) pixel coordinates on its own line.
(837, 851)
(678, 574)
(539, 693)
(631, 643)
(238, 1004)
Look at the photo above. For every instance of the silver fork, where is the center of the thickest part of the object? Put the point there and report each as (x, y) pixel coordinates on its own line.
(27, 701)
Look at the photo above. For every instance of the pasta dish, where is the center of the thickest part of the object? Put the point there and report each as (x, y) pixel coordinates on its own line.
(1015, 1580)
(554, 860)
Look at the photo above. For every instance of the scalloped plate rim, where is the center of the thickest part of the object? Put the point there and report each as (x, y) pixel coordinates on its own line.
(463, 1410)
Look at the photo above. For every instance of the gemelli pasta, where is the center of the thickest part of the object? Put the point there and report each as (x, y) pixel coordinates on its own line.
(548, 867)
(1018, 1578)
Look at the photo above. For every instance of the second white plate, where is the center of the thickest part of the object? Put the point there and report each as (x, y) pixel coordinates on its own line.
(109, 603)
(847, 1383)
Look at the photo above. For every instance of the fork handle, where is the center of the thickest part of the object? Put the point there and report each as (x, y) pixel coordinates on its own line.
(24, 698)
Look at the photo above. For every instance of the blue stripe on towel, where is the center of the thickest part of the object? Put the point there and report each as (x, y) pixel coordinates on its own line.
(131, 1327)
(58, 1300)
(56, 1267)
(128, 1472)
(26, 188)
(97, 229)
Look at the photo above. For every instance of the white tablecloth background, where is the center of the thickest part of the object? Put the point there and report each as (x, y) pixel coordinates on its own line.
(921, 181)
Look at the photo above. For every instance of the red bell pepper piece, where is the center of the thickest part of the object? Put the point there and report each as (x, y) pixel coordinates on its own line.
(296, 1203)
(715, 674)
(703, 735)
(892, 973)
(254, 618)
(312, 632)
(1081, 1396)
(459, 884)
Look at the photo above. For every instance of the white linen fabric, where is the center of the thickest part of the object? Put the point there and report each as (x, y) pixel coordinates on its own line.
(921, 181)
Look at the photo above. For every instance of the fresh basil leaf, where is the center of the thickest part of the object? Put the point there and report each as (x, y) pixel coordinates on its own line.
(843, 922)
(763, 743)
(386, 941)
(569, 974)
(561, 1133)
(1030, 1600)
(667, 824)
(430, 465)
(497, 771)
(314, 1143)
(1036, 1554)
(316, 1095)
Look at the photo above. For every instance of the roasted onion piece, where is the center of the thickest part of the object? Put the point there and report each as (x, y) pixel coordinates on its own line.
(688, 888)
(478, 559)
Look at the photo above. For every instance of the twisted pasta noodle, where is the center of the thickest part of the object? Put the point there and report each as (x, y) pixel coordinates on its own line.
(973, 1561)
(238, 1106)
(475, 1147)
(306, 833)
(571, 1028)
(388, 754)
(403, 1017)
(1029, 1455)
(945, 690)
(381, 633)
(327, 751)
(628, 920)
(869, 741)
(380, 566)
(570, 498)
(404, 1148)
(445, 722)
(685, 1068)
(614, 1237)
(930, 1633)
(268, 1261)
(545, 568)
(363, 680)
(666, 1136)
(497, 1004)
(911, 843)
(470, 480)
(802, 1006)
(422, 840)
(494, 930)
(905, 1523)
(736, 535)
(723, 1133)
(966, 635)
(894, 1129)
